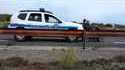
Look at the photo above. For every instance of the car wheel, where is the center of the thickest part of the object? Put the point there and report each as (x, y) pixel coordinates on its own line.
(19, 27)
(28, 38)
(71, 38)
(19, 37)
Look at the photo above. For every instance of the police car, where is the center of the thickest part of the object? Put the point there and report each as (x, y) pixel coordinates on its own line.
(40, 19)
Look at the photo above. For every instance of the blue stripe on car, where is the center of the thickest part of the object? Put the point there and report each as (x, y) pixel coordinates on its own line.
(45, 26)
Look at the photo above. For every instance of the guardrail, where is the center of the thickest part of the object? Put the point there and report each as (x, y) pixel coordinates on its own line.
(42, 32)
(63, 33)
(101, 33)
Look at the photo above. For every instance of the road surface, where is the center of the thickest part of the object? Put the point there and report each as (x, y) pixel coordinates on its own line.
(41, 50)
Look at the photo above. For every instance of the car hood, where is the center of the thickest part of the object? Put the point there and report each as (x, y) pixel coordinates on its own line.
(71, 24)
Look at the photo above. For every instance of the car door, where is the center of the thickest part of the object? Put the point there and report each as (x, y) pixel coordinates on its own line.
(51, 21)
(34, 21)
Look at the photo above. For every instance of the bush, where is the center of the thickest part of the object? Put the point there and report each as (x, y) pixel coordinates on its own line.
(119, 59)
(4, 24)
(18, 63)
(69, 58)
(15, 62)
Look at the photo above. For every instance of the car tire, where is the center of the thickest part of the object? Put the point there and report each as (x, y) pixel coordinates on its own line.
(28, 38)
(20, 28)
(20, 38)
(71, 38)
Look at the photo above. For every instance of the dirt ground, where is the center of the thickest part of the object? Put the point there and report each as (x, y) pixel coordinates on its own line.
(44, 53)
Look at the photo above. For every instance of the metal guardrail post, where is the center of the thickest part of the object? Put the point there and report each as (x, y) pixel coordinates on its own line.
(83, 34)
(84, 40)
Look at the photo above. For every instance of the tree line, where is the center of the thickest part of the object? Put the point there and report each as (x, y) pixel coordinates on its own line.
(5, 17)
(98, 26)
(86, 23)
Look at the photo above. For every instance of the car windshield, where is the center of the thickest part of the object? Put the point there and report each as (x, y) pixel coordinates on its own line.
(51, 19)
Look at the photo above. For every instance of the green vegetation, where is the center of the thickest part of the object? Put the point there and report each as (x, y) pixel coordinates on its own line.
(102, 25)
(68, 60)
(116, 63)
(4, 24)
(5, 17)
(107, 26)
(4, 20)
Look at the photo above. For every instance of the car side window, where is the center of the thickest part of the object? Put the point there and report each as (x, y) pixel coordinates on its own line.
(51, 19)
(35, 17)
(22, 16)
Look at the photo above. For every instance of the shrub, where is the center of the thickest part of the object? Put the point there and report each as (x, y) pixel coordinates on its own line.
(69, 58)
(4, 24)
(15, 62)
(119, 59)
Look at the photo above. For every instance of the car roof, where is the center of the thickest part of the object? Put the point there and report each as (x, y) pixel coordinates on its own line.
(37, 12)
(34, 11)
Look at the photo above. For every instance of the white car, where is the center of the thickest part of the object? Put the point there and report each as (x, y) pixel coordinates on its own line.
(40, 19)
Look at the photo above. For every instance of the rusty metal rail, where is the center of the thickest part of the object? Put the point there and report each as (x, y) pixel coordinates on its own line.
(41, 32)
(105, 33)
(64, 33)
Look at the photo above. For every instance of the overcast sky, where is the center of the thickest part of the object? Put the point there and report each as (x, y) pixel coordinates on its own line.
(106, 11)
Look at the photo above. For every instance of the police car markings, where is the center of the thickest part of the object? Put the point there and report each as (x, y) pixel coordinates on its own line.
(45, 26)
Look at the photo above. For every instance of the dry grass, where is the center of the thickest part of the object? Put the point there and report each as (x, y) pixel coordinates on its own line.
(18, 63)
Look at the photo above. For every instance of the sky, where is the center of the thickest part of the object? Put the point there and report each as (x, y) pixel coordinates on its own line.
(102, 11)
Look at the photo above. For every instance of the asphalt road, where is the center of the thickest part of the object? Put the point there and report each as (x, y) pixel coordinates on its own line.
(57, 42)
(54, 42)
(40, 49)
